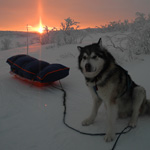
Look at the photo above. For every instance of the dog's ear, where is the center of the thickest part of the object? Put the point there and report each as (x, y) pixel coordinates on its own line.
(100, 43)
(79, 48)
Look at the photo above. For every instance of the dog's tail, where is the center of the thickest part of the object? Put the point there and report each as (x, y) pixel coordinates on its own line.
(145, 108)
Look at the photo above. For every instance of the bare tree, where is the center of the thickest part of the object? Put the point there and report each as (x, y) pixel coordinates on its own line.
(69, 24)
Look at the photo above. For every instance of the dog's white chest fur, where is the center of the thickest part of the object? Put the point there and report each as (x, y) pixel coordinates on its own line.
(103, 92)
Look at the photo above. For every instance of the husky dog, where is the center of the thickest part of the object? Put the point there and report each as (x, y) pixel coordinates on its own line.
(110, 83)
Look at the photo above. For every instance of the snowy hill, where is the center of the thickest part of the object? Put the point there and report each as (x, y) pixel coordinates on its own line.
(31, 117)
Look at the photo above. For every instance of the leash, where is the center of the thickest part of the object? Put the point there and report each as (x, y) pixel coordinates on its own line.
(124, 131)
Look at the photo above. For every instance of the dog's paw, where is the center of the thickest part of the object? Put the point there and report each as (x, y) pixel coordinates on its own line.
(109, 137)
(87, 122)
(132, 124)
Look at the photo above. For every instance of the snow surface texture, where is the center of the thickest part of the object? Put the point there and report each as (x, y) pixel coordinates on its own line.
(31, 117)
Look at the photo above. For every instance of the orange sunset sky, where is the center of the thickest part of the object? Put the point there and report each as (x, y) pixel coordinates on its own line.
(16, 14)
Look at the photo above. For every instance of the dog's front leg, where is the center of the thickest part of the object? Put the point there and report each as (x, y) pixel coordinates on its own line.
(111, 119)
(91, 118)
(96, 104)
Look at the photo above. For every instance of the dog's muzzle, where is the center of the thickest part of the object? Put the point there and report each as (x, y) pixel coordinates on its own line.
(88, 67)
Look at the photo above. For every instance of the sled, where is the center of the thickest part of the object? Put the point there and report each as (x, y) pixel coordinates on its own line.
(37, 72)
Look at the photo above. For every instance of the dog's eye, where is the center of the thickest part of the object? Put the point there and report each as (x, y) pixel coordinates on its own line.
(84, 57)
(94, 57)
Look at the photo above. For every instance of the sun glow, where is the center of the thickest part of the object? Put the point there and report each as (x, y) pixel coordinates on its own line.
(40, 29)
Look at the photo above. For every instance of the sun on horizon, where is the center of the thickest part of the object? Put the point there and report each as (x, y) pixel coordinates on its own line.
(40, 28)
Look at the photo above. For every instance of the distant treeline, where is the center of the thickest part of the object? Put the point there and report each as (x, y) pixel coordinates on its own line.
(18, 33)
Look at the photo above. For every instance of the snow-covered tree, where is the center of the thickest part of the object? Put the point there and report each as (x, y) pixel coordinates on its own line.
(5, 43)
(45, 36)
(139, 39)
(69, 31)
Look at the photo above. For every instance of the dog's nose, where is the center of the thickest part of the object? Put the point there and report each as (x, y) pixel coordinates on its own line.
(88, 67)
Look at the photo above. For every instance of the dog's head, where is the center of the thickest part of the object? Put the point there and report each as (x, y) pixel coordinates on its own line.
(92, 59)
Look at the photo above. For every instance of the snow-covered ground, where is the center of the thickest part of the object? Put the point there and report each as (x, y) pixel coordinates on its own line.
(31, 117)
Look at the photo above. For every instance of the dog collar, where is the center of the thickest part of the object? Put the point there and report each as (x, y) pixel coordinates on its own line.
(95, 88)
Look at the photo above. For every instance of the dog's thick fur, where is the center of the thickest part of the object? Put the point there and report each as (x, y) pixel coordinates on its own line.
(110, 83)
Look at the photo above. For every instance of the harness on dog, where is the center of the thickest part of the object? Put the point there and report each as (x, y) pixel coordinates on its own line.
(95, 89)
(129, 85)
